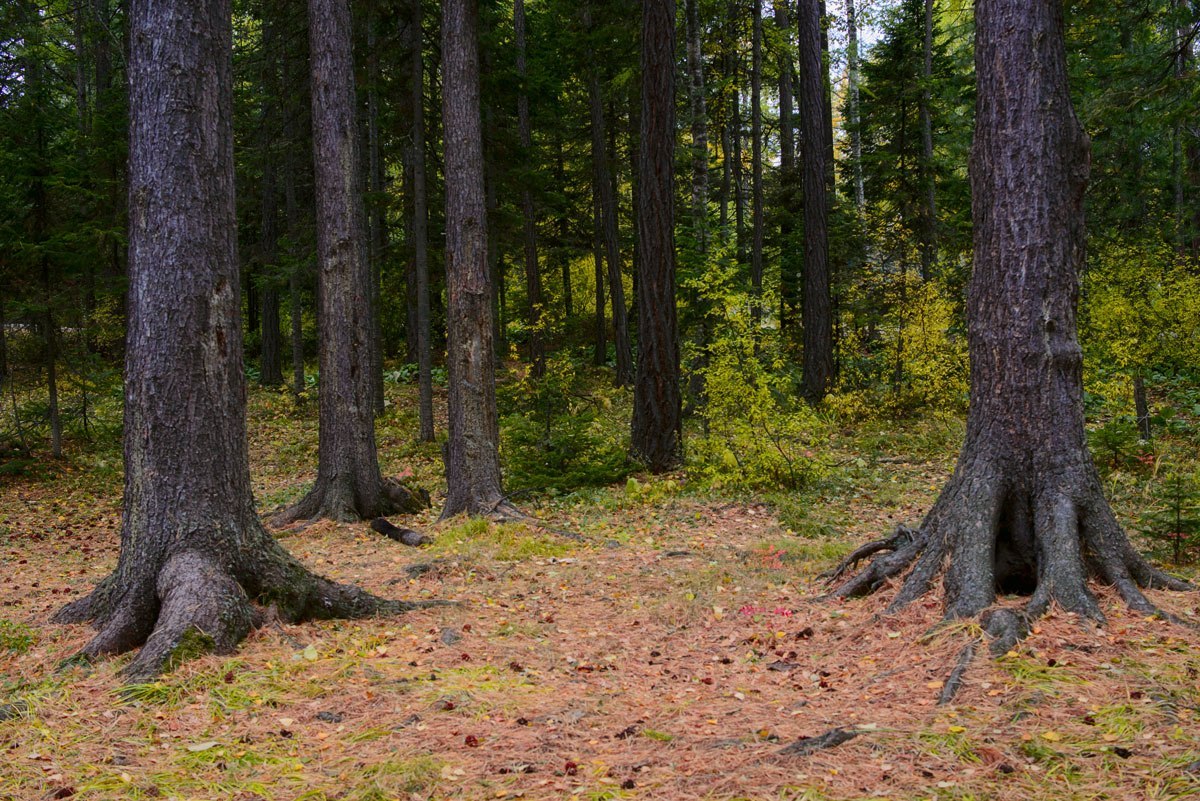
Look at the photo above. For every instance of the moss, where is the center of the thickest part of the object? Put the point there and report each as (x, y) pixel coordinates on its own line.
(192, 644)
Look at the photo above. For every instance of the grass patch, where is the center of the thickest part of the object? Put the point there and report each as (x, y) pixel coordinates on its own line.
(15, 637)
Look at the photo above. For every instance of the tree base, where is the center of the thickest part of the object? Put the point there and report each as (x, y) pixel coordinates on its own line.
(340, 502)
(1043, 537)
(199, 602)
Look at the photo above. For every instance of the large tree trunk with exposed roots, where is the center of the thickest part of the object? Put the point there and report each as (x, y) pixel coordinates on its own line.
(1024, 511)
(348, 486)
(195, 562)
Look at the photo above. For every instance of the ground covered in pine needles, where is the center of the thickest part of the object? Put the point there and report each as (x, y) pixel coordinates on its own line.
(672, 653)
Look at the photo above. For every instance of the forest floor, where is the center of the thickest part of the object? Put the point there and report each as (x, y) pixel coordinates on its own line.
(669, 654)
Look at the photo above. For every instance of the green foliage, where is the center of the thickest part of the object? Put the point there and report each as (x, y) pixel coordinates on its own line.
(1173, 520)
(559, 433)
(409, 373)
(16, 637)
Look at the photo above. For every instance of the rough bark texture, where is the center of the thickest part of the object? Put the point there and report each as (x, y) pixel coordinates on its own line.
(605, 189)
(1024, 511)
(758, 227)
(818, 312)
(852, 105)
(349, 485)
(929, 211)
(420, 229)
(194, 558)
(377, 233)
(270, 353)
(657, 411)
(788, 263)
(472, 453)
(533, 271)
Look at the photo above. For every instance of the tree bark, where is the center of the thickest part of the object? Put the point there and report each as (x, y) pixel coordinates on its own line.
(852, 80)
(270, 358)
(605, 190)
(377, 234)
(472, 453)
(657, 413)
(349, 485)
(756, 170)
(929, 212)
(699, 126)
(194, 558)
(1024, 511)
(420, 226)
(818, 314)
(600, 338)
(533, 273)
(788, 263)
(292, 215)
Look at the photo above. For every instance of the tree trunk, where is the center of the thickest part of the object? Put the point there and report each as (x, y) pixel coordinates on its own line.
(420, 227)
(788, 263)
(376, 220)
(605, 190)
(349, 485)
(852, 80)
(292, 213)
(194, 557)
(699, 125)
(1024, 511)
(1141, 407)
(270, 359)
(657, 410)
(600, 341)
(818, 315)
(929, 212)
(472, 453)
(756, 171)
(560, 249)
(533, 273)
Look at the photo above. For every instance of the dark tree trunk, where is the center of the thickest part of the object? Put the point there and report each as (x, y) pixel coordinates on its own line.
(349, 485)
(472, 453)
(756, 169)
(270, 358)
(194, 557)
(560, 247)
(533, 272)
(605, 190)
(657, 411)
(1024, 511)
(788, 263)
(818, 314)
(292, 213)
(1141, 407)
(420, 228)
(3, 345)
(929, 211)
(699, 125)
(600, 340)
(377, 234)
(852, 105)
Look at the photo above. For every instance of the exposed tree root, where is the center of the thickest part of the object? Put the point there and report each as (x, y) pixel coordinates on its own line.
(989, 533)
(405, 536)
(343, 502)
(810, 745)
(199, 602)
(955, 680)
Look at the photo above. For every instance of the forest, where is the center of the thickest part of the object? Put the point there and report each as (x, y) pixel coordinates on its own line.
(600, 399)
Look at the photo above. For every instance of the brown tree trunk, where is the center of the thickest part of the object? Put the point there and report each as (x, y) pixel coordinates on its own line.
(657, 411)
(756, 169)
(818, 313)
(605, 190)
(1024, 511)
(533, 272)
(349, 485)
(420, 227)
(852, 105)
(472, 453)
(377, 234)
(600, 339)
(291, 208)
(194, 558)
(1141, 407)
(929, 211)
(270, 357)
(788, 263)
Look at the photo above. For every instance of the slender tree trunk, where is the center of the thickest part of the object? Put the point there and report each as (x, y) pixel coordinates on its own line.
(818, 315)
(472, 453)
(929, 211)
(827, 107)
(420, 226)
(3, 342)
(605, 191)
(788, 263)
(270, 359)
(560, 249)
(292, 214)
(1024, 511)
(852, 80)
(194, 556)
(699, 125)
(533, 273)
(756, 170)
(657, 411)
(600, 342)
(349, 485)
(377, 234)
(1141, 406)
(50, 345)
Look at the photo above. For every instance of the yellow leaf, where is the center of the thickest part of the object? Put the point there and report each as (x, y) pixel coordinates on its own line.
(1052, 736)
(957, 729)
(935, 685)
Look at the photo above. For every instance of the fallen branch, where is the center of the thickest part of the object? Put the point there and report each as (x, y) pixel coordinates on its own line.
(810, 745)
